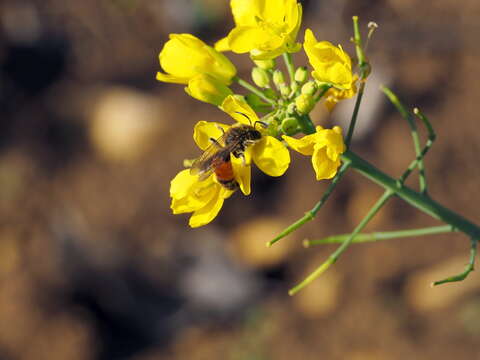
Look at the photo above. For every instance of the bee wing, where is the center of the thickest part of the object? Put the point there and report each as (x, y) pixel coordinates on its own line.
(205, 164)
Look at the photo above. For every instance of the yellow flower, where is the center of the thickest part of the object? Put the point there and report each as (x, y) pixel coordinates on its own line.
(333, 95)
(269, 154)
(330, 63)
(265, 28)
(185, 56)
(206, 88)
(325, 146)
(202, 198)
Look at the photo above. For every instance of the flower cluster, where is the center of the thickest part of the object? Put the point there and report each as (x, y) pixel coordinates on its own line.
(265, 29)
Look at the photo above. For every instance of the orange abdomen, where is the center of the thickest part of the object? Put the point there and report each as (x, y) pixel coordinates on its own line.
(224, 171)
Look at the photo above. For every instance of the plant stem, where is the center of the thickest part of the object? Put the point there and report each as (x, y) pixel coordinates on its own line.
(309, 215)
(384, 235)
(322, 92)
(253, 89)
(421, 201)
(468, 269)
(353, 121)
(334, 256)
(413, 130)
(287, 57)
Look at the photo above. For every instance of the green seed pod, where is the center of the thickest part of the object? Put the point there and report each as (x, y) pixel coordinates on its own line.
(304, 103)
(260, 77)
(289, 125)
(309, 88)
(265, 64)
(301, 74)
(278, 79)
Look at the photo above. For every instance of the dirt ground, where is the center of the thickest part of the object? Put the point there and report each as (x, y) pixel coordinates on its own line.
(93, 265)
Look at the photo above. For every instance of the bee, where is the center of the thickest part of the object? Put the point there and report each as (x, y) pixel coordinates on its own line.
(216, 157)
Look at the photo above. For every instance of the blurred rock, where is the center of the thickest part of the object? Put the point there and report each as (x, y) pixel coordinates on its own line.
(212, 283)
(321, 297)
(248, 243)
(125, 123)
(423, 297)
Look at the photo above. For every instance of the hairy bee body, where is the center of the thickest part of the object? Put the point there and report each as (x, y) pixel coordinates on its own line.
(216, 158)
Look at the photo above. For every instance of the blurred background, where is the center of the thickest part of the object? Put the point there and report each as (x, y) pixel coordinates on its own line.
(93, 265)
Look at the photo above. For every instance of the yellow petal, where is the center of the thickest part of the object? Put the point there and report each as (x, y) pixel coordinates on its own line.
(171, 78)
(207, 213)
(222, 45)
(204, 131)
(239, 110)
(243, 39)
(323, 166)
(206, 88)
(242, 171)
(245, 11)
(304, 145)
(271, 156)
(188, 194)
(185, 56)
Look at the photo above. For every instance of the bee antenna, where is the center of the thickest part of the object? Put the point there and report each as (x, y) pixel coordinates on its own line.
(261, 123)
(249, 120)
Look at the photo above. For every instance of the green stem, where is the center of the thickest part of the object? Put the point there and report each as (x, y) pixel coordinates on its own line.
(254, 90)
(468, 269)
(287, 57)
(353, 121)
(379, 236)
(413, 130)
(421, 201)
(334, 256)
(358, 43)
(322, 92)
(310, 215)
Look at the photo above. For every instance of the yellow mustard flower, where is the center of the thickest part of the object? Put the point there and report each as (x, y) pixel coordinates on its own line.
(334, 96)
(202, 198)
(325, 146)
(330, 63)
(185, 56)
(265, 28)
(206, 88)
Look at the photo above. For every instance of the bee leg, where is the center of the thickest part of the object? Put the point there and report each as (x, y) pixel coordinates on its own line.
(214, 141)
(220, 128)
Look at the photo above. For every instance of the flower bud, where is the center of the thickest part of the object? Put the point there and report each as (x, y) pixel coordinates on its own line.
(265, 64)
(301, 74)
(309, 88)
(284, 90)
(294, 87)
(260, 77)
(206, 88)
(291, 109)
(304, 103)
(289, 125)
(278, 79)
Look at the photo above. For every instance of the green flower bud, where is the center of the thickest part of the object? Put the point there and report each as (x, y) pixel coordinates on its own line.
(278, 79)
(265, 64)
(284, 90)
(289, 125)
(294, 87)
(304, 103)
(309, 88)
(291, 109)
(260, 77)
(301, 74)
